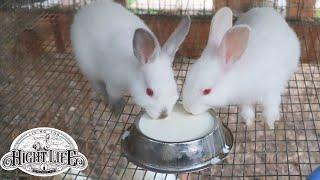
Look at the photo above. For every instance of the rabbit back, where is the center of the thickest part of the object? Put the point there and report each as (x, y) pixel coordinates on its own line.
(271, 57)
(102, 35)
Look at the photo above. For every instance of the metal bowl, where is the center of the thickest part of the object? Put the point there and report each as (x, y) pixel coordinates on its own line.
(176, 157)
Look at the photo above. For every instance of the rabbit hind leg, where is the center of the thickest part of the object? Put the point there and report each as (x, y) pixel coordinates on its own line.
(116, 101)
(100, 89)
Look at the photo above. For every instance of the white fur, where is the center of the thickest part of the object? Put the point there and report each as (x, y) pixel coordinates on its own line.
(102, 38)
(259, 75)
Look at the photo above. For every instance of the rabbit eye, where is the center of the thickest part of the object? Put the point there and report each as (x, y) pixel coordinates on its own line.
(206, 91)
(149, 92)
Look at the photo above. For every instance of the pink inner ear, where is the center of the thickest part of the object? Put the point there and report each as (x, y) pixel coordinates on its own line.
(228, 56)
(225, 67)
(147, 52)
(234, 43)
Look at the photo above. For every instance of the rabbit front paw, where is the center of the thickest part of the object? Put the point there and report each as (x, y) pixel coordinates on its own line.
(247, 113)
(271, 117)
(117, 107)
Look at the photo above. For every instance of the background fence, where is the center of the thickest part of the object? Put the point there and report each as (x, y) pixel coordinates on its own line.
(40, 85)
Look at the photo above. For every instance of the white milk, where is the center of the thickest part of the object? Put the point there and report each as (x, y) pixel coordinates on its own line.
(179, 126)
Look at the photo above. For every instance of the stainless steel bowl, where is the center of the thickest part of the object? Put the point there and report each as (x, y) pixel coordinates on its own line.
(176, 157)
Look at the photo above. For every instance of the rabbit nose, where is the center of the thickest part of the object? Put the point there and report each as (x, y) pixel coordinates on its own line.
(163, 114)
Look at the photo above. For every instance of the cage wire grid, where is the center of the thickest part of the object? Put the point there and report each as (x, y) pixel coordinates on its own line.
(46, 88)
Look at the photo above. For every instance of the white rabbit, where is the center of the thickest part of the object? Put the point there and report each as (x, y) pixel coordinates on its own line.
(248, 63)
(117, 52)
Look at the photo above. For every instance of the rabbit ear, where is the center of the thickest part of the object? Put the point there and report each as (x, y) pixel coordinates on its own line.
(145, 46)
(234, 43)
(172, 44)
(220, 24)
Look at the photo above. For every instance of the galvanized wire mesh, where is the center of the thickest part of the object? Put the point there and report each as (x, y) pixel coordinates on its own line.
(42, 86)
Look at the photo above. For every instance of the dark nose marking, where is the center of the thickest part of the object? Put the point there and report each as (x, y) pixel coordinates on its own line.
(163, 114)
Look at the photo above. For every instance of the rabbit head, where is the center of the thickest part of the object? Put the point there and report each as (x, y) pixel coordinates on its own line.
(225, 47)
(155, 90)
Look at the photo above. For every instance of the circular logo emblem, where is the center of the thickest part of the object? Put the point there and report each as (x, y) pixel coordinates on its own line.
(44, 152)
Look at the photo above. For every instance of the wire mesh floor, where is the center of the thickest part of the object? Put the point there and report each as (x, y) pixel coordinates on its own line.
(51, 91)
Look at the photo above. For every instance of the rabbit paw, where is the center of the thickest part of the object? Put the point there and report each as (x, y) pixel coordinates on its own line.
(271, 118)
(271, 109)
(95, 97)
(271, 115)
(100, 89)
(98, 97)
(247, 113)
(117, 107)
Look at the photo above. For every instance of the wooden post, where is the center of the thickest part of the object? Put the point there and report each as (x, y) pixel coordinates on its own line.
(122, 2)
(237, 6)
(300, 10)
(57, 24)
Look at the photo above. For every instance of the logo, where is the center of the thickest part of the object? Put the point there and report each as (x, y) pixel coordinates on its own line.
(44, 152)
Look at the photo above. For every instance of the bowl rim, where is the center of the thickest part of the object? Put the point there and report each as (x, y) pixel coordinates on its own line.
(212, 131)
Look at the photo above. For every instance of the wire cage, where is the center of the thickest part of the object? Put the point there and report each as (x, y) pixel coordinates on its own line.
(40, 85)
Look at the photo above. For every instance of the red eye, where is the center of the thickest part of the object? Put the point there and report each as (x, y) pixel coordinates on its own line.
(206, 91)
(149, 92)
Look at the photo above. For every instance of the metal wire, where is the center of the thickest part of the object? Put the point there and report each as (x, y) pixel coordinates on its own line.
(49, 90)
